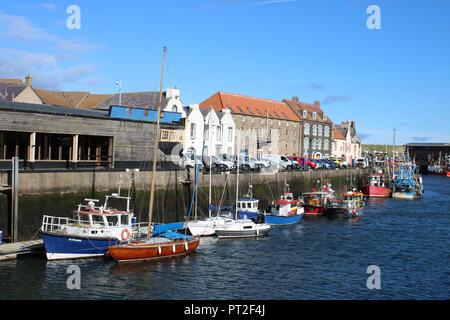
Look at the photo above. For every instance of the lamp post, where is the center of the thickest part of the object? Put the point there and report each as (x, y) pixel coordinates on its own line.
(119, 83)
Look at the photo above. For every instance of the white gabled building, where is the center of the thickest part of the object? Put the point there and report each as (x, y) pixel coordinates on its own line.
(217, 128)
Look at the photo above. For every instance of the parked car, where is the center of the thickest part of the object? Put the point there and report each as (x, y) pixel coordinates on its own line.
(333, 165)
(189, 160)
(224, 163)
(309, 164)
(259, 164)
(295, 164)
(320, 164)
(264, 163)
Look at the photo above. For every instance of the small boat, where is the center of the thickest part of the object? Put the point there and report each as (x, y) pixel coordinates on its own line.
(245, 227)
(440, 168)
(407, 184)
(166, 244)
(351, 204)
(319, 202)
(91, 231)
(377, 186)
(248, 206)
(205, 227)
(284, 211)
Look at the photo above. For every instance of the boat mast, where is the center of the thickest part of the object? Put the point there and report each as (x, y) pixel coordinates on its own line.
(237, 175)
(210, 169)
(150, 209)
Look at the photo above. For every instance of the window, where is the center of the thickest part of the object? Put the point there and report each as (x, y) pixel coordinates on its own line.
(164, 135)
(314, 115)
(192, 131)
(174, 108)
(218, 150)
(324, 117)
(230, 134)
(326, 131)
(314, 144)
(306, 129)
(314, 130)
(207, 132)
(326, 144)
(305, 114)
(219, 133)
(320, 131)
(319, 144)
(306, 144)
(287, 132)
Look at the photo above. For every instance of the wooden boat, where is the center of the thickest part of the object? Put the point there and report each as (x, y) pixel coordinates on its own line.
(166, 244)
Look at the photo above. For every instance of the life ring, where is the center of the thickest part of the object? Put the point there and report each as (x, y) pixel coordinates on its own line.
(125, 234)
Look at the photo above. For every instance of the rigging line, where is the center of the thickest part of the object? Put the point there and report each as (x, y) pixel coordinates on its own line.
(223, 193)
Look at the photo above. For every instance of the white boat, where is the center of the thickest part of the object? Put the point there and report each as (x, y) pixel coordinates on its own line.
(241, 228)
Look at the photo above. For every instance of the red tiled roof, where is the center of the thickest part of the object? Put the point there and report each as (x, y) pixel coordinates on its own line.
(240, 104)
(337, 134)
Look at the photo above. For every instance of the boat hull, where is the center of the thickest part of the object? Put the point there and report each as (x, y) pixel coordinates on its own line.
(139, 252)
(406, 195)
(228, 234)
(204, 228)
(314, 211)
(276, 220)
(437, 173)
(374, 191)
(60, 247)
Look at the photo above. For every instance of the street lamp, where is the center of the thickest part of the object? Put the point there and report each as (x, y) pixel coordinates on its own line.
(119, 83)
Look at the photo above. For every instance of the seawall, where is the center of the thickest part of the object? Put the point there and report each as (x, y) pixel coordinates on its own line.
(57, 193)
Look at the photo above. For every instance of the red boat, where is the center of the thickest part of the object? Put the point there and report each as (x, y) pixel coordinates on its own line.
(319, 202)
(376, 186)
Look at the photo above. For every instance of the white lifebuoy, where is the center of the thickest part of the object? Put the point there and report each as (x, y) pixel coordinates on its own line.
(125, 234)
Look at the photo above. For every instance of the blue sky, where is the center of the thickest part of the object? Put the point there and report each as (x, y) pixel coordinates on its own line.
(394, 77)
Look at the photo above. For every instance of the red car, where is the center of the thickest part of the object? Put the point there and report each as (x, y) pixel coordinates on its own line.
(308, 164)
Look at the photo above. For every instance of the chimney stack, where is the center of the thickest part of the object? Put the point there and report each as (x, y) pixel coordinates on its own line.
(353, 124)
(295, 99)
(28, 81)
(317, 104)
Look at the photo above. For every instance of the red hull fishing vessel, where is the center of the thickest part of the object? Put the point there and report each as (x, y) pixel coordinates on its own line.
(376, 186)
(319, 202)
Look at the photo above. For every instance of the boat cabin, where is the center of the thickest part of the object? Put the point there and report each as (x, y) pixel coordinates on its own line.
(90, 215)
(248, 205)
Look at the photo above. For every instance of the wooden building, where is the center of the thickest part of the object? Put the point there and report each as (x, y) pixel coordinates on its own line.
(53, 137)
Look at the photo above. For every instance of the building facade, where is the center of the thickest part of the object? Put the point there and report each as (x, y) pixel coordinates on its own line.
(261, 126)
(347, 144)
(317, 133)
(216, 130)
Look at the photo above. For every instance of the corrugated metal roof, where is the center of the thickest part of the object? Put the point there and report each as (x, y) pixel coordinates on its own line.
(43, 108)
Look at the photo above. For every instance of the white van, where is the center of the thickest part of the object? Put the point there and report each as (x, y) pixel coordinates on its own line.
(278, 160)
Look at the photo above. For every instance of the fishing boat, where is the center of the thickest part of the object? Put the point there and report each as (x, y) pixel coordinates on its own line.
(167, 244)
(247, 206)
(319, 201)
(245, 227)
(351, 204)
(440, 168)
(284, 211)
(91, 230)
(376, 185)
(407, 183)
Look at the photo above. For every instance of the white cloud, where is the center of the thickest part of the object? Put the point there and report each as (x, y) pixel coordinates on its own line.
(50, 70)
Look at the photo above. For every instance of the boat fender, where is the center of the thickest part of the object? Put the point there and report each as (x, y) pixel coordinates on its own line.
(173, 247)
(159, 250)
(125, 234)
(185, 245)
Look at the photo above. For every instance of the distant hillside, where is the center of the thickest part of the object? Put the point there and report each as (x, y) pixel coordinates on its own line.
(382, 148)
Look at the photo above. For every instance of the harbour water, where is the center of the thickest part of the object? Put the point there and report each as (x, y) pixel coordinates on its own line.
(319, 258)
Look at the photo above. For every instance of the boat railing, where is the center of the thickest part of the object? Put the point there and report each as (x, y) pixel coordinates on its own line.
(51, 223)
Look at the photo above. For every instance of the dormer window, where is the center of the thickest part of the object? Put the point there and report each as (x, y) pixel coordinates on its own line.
(324, 117)
(314, 115)
(304, 114)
